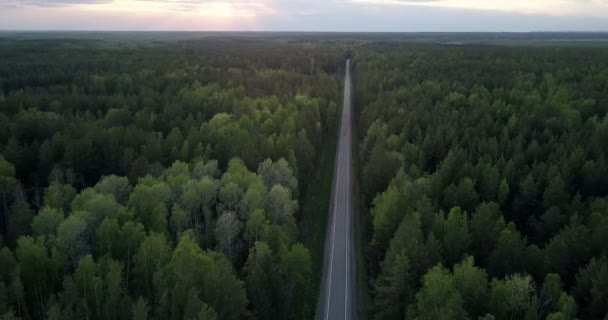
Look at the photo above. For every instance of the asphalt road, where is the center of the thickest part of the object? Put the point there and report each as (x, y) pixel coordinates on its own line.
(336, 298)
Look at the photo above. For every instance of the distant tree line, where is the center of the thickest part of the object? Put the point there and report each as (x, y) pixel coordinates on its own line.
(485, 177)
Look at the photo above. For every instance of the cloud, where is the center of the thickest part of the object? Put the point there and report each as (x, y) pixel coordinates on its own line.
(312, 15)
(262, 7)
(222, 8)
(543, 7)
(49, 3)
(286, 7)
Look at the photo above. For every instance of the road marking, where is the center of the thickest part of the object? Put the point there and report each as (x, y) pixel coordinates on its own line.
(333, 232)
(347, 189)
(335, 207)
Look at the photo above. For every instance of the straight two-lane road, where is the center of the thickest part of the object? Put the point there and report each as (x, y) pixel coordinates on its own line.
(336, 298)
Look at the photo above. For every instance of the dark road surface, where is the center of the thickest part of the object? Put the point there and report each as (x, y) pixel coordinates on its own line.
(336, 298)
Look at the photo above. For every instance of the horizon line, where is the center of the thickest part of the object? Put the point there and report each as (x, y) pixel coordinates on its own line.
(290, 31)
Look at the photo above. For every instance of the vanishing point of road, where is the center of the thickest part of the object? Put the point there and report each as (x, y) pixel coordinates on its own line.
(336, 298)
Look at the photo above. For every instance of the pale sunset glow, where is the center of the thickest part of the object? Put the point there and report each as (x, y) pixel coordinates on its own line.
(314, 15)
(546, 7)
(210, 9)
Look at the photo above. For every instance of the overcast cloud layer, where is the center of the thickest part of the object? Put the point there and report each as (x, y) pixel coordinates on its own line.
(306, 15)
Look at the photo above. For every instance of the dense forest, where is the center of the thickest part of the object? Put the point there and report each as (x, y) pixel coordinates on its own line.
(484, 175)
(147, 178)
(160, 180)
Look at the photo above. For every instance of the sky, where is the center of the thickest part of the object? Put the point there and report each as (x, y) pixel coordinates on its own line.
(306, 15)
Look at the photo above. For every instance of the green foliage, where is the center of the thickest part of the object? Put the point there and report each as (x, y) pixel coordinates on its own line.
(277, 173)
(393, 287)
(591, 288)
(47, 220)
(19, 220)
(124, 163)
(487, 224)
(227, 229)
(438, 298)
(210, 275)
(263, 281)
(454, 232)
(506, 257)
(140, 309)
(7, 181)
(296, 268)
(386, 214)
(511, 144)
(512, 298)
(472, 283)
(59, 196)
(407, 259)
(137, 186)
(118, 187)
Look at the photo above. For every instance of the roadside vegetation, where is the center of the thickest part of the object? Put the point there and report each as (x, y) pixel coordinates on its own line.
(160, 180)
(316, 208)
(484, 178)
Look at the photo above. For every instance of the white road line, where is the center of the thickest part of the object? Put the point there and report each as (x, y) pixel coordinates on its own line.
(347, 196)
(334, 217)
(333, 235)
(347, 244)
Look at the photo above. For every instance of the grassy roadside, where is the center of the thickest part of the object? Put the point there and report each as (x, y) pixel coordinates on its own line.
(315, 212)
(362, 225)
